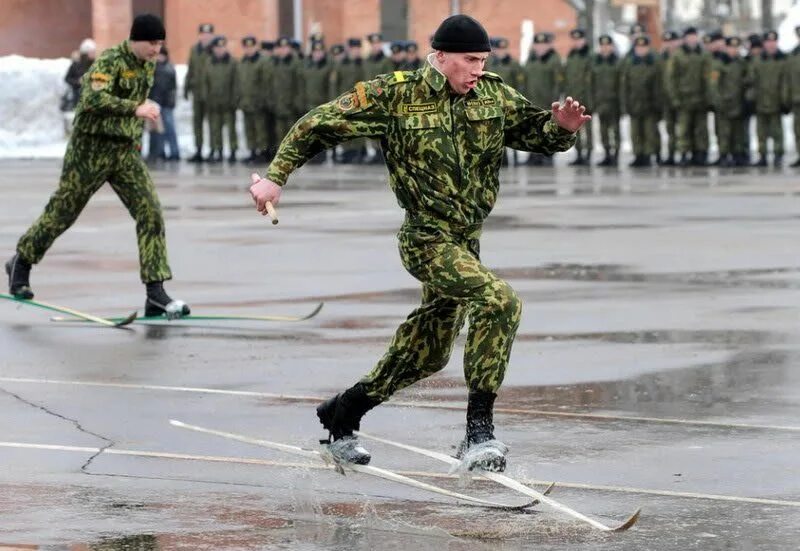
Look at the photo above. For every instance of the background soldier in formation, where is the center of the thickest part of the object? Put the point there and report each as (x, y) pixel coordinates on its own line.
(793, 71)
(266, 103)
(284, 87)
(317, 76)
(506, 67)
(398, 56)
(727, 87)
(641, 82)
(671, 41)
(413, 61)
(349, 71)
(195, 77)
(605, 98)
(250, 89)
(543, 78)
(577, 79)
(222, 97)
(771, 87)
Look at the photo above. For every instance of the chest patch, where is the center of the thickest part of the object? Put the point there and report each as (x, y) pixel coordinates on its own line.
(417, 108)
(481, 102)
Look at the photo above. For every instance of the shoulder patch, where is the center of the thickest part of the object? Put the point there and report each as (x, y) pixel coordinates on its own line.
(401, 76)
(128, 74)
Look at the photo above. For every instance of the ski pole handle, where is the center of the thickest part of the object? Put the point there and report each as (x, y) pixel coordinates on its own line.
(272, 213)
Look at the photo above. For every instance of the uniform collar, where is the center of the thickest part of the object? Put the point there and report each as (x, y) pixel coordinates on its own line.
(437, 80)
(128, 53)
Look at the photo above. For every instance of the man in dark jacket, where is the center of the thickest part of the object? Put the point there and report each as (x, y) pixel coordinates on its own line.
(77, 68)
(163, 93)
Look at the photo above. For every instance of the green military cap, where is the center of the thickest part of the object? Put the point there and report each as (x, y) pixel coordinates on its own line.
(206, 28)
(690, 30)
(219, 41)
(411, 46)
(249, 41)
(284, 41)
(643, 40)
(318, 47)
(337, 49)
(638, 28)
(397, 47)
(733, 41)
(267, 45)
(354, 42)
(669, 36)
(542, 38)
(501, 42)
(374, 38)
(771, 35)
(605, 40)
(715, 35)
(577, 33)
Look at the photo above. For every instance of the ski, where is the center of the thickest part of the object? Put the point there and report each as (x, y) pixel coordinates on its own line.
(342, 467)
(509, 482)
(191, 317)
(76, 315)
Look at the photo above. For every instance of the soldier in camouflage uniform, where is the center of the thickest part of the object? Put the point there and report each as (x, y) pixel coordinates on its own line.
(506, 67)
(195, 76)
(105, 146)
(772, 98)
(265, 104)
(443, 130)
(543, 79)
(578, 79)
(285, 87)
(605, 86)
(398, 57)
(727, 86)
(317, 83)
(687, 86)
(715, 45)
(670, 42)
(641, 81)
(793, 70)
(250, 90)
(222, 95)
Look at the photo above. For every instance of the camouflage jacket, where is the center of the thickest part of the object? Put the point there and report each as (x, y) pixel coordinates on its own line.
(113, 87)
(443, 151)
(195, 72)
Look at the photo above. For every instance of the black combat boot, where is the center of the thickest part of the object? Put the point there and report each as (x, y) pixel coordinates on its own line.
(669, 160)
(159, 303)
(606, 160)
(197, 157)
(341, 415)
(777, 161)
(19, 273)
(796, 163)
(252, 158)
(578, 161)
(762, 161)
(479, 449)
(699, 158)
(686, 160)
(232, 156)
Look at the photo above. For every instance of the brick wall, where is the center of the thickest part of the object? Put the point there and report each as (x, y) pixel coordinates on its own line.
(45, 28)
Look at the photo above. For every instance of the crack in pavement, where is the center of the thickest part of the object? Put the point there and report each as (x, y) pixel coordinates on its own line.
(109, 443)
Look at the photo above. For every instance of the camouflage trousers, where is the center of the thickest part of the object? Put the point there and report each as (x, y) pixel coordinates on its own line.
(768, 125)
(255, 130)
(609, 129)
(692, 130)
(199, 115)
(644, 134)
(219, 119)
(730, 135)
(455, 285)
(88, 163)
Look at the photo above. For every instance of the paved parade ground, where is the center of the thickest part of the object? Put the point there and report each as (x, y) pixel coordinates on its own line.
(657, 366)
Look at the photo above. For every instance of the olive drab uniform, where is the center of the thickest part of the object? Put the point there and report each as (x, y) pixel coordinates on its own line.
(793, 75)
(317, 75)
(266, 104)
(106, 147)
(286, 93)
(728, 82)
(347, 73)
(222, 93)
(250, 92)
(577, 84)
(443, 154)
(772, 96)
(687, 87)
(195, 77)
(605, 101)
(544, 77)
(507, 68)
(668, 112)
(641, 83)
(374, 65)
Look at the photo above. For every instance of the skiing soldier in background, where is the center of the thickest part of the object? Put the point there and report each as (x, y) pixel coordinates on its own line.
(578, 80)
(106, 147)
(606, 97)
(195, 77)
(443, 129)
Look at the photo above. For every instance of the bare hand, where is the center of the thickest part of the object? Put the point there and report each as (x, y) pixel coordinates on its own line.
(571, 115)
(149, 110)
(264, 191)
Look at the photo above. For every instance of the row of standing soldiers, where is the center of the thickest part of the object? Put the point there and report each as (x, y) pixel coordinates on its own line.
(274, 84)
(680, 85)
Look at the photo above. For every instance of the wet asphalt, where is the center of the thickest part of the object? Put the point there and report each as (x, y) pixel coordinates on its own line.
(657, 366)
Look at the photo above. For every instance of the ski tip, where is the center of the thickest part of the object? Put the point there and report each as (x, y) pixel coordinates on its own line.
(176, 423)
(315, 311)
(628, 523)
(549, 489)
(128, 320)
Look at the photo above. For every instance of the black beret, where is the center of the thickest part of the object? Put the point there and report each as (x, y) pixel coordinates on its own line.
(716, 35)
(461, 33)
(147, 27)
(755, 41)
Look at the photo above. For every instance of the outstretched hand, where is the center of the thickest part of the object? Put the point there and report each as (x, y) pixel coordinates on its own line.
(571, 115)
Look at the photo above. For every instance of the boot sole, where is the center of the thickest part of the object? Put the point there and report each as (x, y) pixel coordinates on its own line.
(25, 294)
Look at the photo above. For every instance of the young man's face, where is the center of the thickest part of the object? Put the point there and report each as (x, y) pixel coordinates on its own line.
(606, 49)
(641, 50)
(376, 47)
(220, 51)
(146, 50)
(771, 46)
(205, 38)
(716, 45)
(733, 51)
(462, 69)
(249, 49)
(317, 55)
(578, 43)
(354, 51)
(690, 40)
(541, 48)
(283, 51)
